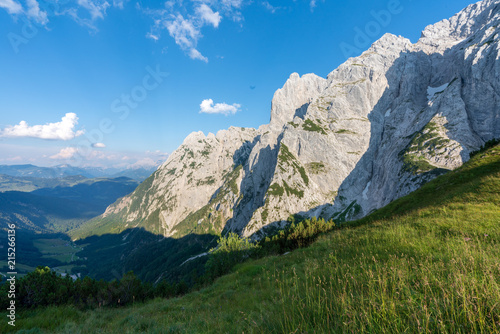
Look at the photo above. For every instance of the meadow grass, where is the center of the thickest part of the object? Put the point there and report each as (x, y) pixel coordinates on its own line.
(426, 263)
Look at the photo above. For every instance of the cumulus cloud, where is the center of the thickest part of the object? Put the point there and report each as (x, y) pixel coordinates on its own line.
(207, 106)
(98, 145)
(11, 6)
(65, 153)
(63, 130)
(208, 15)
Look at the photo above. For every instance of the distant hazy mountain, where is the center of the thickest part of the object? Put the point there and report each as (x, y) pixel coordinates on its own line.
(28, 184)
(60, 171)
(43, 172)
(57, 205)
(139, 174)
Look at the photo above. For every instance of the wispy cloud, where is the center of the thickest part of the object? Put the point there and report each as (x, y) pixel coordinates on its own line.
(11, 6)
(185, 34)
(119, 3)
(152, 36)
(207, 106)
(270, 7)
(195, 54)
(63, 130)
(97, 9)
(313, 4)
(33, 10)
(98, 145)
(86, 12)
(185, 19)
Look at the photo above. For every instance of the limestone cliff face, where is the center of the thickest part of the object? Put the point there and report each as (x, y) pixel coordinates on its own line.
(375, 129)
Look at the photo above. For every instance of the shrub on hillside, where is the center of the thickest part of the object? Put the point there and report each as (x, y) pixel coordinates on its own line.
(230, 250)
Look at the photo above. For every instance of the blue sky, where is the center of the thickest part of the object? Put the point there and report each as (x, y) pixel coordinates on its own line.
(122, 83)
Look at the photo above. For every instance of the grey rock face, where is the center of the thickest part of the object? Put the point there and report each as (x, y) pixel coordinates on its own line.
(375, 129)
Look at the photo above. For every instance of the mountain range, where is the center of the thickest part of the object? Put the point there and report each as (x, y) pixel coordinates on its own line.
(58, 205)
(375, 129)
(61, 171)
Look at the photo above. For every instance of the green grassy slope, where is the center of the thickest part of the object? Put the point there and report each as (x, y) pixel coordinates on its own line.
(427, 263)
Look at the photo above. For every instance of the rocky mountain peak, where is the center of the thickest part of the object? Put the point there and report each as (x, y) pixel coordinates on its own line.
(381, 125)
(462, 25)
(292, 100)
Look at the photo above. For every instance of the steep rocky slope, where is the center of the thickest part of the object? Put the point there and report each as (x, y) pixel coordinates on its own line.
(375, 129)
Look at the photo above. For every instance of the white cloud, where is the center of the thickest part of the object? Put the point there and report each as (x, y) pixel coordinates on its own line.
(11, 6)
(65, 153)
(195, 54)
(186, 35)
(184, 21)
(34, 12)
(119, 3)
(270, 7)
(63, 130)
(183, 31)
(77, 156)
(313, 4)
(208, 15)
(231, 8)
(152, 36)
(98, 145)
(97, 9)
(86, 12)
(207, 106)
